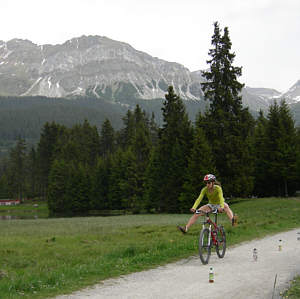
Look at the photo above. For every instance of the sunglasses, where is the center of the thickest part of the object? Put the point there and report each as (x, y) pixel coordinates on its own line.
(208, 182)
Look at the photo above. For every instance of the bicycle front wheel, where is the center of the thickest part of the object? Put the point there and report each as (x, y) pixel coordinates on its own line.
(204, 246)
(221, 242)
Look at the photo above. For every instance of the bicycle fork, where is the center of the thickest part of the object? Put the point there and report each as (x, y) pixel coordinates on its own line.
(209, 234)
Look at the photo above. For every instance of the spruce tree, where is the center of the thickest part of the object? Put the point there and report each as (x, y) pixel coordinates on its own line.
(200, 162)
(58, 178)
(260, 156)
(116, 174)
(46, 149)
(298, 160)
(154, 182)
(78, 189)
(100, 185)
(17, 169)
(127, 133)
(107, 139)
(288, 149)
(281, 149)
(32, 173)
(228, 126)
(128, 182)
(174, 144)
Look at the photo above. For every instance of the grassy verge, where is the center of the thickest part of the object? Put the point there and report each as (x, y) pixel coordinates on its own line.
(294, 291)
(45, 257)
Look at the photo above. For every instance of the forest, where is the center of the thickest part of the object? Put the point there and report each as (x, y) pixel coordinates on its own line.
(146, 167)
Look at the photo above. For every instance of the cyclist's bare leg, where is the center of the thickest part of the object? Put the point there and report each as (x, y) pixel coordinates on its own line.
(194, 218)
(228, 211)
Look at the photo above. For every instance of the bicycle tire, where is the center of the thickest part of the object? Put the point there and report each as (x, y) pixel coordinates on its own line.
(221, 242)
(204, 245)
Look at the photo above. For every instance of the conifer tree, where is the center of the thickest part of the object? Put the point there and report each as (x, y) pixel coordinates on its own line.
(32, 173)
(58, 178)
(260, 156)
(128, 182)
(107, 139)
(200, 162)
(288, 149)
(227, 124)
(153, 130)
(154, 182)
(17, 169)
(171, 154)
(116, 174)
(46, 151)
(298, 160)
(127, 133)
(281, 149)
(4, 187)
(90, 142)
(100, 185)
(78, 189)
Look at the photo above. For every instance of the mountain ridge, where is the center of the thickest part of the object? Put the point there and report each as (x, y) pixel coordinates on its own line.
(97, 66)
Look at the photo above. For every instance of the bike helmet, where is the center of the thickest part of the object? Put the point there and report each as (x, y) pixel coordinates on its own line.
(209, 178)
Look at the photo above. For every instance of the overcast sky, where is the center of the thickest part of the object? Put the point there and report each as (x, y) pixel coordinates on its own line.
(265, 34)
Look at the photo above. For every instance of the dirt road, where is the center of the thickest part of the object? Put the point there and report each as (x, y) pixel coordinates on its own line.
(237, 275)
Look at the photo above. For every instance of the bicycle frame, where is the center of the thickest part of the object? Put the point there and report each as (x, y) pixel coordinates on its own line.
(211, 223)
(211, 235)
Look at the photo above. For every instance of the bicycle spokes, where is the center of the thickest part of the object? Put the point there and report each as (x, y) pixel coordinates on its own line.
(221, 242)
(204, 245)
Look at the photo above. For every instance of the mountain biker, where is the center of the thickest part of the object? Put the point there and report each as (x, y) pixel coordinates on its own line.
(214, 193)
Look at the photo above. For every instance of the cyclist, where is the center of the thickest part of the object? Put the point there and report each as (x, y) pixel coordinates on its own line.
(214, 193)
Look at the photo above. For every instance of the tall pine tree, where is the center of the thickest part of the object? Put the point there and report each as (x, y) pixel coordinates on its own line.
(227, 124)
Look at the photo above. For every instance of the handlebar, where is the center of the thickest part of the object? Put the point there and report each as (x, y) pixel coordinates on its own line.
(215, 211)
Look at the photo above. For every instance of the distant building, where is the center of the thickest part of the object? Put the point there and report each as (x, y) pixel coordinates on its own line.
(9, 202)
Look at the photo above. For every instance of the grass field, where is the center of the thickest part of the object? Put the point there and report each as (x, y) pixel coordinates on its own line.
(44, 257)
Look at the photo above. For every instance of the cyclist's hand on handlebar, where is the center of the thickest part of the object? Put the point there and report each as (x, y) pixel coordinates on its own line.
(192, 210)
(221, 210)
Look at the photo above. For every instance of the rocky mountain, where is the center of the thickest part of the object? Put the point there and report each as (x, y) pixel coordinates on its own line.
(90, 65)
(292, 96)
(261, 98)
(99, 67)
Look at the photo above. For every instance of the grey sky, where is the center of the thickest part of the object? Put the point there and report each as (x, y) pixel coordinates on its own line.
(264, 33)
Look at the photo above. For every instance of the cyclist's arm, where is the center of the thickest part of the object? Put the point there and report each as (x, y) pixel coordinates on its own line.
(221, 197)
(198, 200)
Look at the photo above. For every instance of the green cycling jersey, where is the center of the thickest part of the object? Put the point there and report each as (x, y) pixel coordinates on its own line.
(215, 197)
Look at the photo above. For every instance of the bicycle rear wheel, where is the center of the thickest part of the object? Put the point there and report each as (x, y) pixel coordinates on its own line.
(221, 242)
(204, 245)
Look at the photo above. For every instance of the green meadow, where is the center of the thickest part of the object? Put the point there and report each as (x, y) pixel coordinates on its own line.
(44, 257)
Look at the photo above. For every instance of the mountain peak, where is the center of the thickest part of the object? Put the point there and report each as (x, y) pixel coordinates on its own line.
(293, 94)
(90, 65)
(93, 65)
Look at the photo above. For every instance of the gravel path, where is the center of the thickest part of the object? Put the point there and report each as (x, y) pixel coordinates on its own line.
(237, 275)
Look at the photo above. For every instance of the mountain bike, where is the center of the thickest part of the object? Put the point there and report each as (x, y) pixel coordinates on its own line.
(211, 235)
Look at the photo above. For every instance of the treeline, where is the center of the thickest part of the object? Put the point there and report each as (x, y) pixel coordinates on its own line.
(142, 167)
(146, 167)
